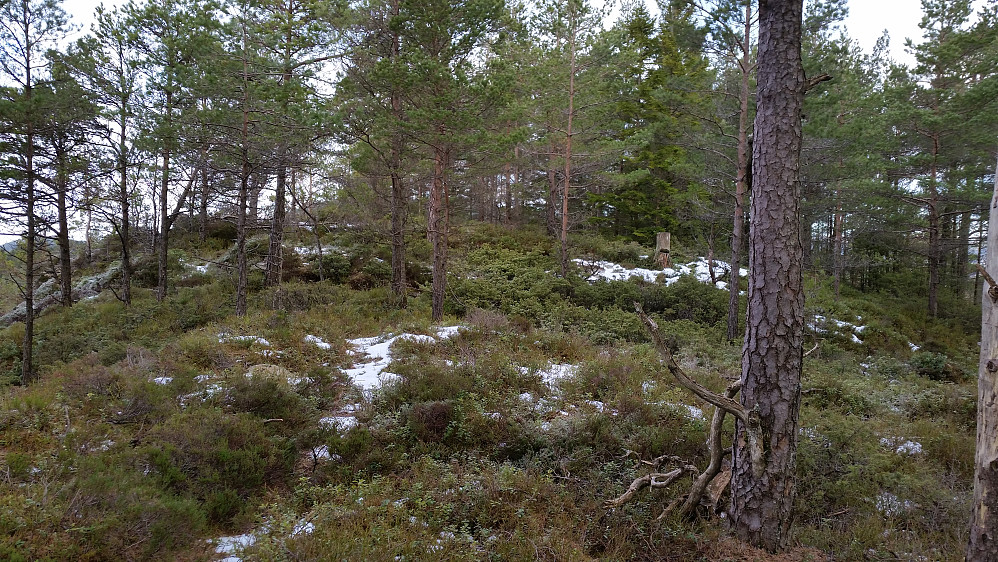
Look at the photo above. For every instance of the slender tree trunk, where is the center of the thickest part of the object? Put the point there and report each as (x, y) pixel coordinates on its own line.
(244, 189)
(568, 153)
(125, 201)
(934, 237)
(27, 365)
(762, 489)
(742, 178)
(65, 257)
(552, 215)
(203, 202)
(400, 195)
(275, 255)
(837, 247)
(983, 543)
(437, 224)
(164, 207)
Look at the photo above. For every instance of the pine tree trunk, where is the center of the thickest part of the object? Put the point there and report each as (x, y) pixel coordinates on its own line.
(934, 237)
(742, 179)
(552, 214)
(275, 255)
(27, 365)
(437, 225)
(983, 543)
(568, 153)
(164, 210)
(65, 257)
(762, 491)
(400, 195)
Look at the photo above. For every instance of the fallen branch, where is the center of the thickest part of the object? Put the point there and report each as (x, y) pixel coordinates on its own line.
(653, 480)
(748, 418)
(716, 456)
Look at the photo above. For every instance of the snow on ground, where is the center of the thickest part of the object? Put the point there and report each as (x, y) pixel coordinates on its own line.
(824, 325)
(318, 342)
(700, 269)
(342, 423)
(226, 338)
(376, 355)
(890, 505)
(557, 371)
(163, 380)
(233, 546)
(902, 446)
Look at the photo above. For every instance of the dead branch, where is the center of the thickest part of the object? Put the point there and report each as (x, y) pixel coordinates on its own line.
(716, 456)
(653, 480)
(723, 402)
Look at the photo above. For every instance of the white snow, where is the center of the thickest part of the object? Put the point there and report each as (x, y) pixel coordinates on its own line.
(318, 342)
(700, 269)
(163, 380)
(691, 412)
(303, 528)
(342, 423)
(907, 447)
(915, 347)
(226, 338)
(371, 374)
(891, 506)
(557, 371)
(233, 546)
(818, 326)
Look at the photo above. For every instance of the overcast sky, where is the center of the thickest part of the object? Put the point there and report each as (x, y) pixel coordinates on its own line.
(867, 20)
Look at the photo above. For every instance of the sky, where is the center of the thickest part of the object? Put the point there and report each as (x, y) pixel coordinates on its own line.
(866, 22)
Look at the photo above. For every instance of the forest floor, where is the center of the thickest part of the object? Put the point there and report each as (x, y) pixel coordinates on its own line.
(329, 424)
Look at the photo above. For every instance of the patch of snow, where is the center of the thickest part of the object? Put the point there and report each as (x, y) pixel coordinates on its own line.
(233, 546)
(163, 380)
(271, 353)
(226, 338)
(908, 447)
(691, 412)
(890, 505)
(855, 339)
(318, 342)
(342, 423)
(302, 528)
(917, 347)
(700, 269)
(557, 371)
(371, 374)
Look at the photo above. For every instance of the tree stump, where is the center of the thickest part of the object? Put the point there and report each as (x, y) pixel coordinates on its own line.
(663, 245)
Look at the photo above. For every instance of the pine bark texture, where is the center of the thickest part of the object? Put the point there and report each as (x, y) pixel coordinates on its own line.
(741, 179)
(762, 492)
(983, 543)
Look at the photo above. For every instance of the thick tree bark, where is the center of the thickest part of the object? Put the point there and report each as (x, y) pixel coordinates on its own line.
(762, 491)
(983, 543)
(741, 179)
(124, 234)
